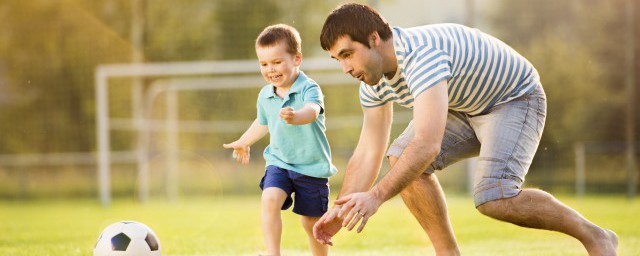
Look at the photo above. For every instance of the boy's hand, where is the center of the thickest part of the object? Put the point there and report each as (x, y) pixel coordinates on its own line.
(328, 225)
(240, 151)
(287, 114)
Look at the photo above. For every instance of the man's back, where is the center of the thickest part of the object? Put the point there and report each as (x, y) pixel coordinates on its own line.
(482, 70)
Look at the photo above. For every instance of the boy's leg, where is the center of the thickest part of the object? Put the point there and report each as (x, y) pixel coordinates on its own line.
(272, 200)
(311, 202)
(510, 134)
(276, 190)
(317, 249)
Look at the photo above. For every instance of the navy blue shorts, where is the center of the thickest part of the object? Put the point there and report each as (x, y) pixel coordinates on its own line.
(311, 193)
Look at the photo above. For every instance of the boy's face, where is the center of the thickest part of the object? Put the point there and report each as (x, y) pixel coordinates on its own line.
(357, 60)
(277, 66)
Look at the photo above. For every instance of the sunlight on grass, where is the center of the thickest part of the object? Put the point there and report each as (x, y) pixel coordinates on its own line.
(231, 226)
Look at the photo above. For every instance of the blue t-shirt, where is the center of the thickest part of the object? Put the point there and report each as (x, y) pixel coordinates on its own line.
(481, 71)
(300, 148)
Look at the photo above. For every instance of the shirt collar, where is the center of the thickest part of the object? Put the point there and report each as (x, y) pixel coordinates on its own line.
(296, 87)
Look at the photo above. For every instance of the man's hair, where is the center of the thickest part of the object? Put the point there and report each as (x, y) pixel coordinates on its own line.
(358, 21)
(274, 34)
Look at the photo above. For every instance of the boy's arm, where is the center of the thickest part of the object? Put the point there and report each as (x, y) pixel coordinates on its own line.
(255, 132)
(241, 146)
(305, 115)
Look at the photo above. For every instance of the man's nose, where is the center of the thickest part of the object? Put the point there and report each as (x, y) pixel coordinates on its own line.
(346, 68)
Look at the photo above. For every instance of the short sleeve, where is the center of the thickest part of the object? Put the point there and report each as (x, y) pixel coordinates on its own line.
(262, 117)
(425, 67)
(313, 94)
(369, 96)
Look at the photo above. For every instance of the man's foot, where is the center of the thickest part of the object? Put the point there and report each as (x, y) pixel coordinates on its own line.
(605, 244)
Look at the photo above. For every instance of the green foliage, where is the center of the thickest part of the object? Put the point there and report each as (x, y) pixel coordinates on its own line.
(578, 49)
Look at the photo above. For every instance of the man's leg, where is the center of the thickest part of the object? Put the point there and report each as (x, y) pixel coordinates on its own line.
(535, 208)
(424, 196)
(509, 134)
(425, 199)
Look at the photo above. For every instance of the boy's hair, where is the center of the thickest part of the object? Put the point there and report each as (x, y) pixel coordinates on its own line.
(274, 34)
(355, 20)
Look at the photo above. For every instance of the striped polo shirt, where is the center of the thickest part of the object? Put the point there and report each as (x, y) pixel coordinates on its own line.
(481, 71)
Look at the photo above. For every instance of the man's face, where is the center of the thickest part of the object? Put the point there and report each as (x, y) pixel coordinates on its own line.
(362, 63)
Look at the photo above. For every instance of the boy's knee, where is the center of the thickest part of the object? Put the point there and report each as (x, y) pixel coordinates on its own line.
(273, 196)
(308, 222)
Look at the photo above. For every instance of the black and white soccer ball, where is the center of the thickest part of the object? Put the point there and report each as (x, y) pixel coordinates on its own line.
(127, 238)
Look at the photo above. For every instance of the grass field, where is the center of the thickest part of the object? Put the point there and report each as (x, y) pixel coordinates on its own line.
(231, 226)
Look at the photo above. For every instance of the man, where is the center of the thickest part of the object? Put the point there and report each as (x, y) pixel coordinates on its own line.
(471, 94)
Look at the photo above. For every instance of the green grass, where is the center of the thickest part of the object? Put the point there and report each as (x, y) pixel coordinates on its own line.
(231, 226)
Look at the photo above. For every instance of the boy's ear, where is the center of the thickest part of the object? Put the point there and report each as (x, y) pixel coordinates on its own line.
(297, 59)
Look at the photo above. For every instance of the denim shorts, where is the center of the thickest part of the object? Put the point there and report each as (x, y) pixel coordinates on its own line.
(311, 193)
(505, 138)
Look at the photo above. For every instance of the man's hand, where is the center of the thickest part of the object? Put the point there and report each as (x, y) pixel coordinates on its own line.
(240, 151)
(287, 114)
(358, 207)
(327, 226)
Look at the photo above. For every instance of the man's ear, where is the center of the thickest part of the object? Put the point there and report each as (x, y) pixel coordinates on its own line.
(374, 39)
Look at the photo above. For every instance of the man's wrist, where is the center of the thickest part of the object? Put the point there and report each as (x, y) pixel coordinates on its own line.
(377, 194)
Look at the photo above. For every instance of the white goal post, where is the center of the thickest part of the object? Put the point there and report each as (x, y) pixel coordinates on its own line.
(185, 76)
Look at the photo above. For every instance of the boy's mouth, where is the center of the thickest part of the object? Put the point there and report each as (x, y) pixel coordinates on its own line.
(275, 78)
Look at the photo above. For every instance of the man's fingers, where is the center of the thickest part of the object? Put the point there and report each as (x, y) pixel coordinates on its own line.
(353, 214)
(343, 200)
(363, 223)
(332, 215)
(355, 221)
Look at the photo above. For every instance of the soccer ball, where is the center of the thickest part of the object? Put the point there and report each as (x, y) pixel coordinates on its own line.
(127, 238)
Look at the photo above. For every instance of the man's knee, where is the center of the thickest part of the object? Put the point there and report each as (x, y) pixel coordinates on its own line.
(499, 208)
(491, 208)
(392, 160)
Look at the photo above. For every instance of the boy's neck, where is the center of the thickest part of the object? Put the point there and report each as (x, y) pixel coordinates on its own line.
(282, 91)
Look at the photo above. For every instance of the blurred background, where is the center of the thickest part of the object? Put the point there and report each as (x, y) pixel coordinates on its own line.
(179, 78)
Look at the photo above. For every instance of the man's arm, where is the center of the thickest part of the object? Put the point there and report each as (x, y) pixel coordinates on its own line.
(364, 165)
(429, 121)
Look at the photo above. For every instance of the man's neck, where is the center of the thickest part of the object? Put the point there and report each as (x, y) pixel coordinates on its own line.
(389, 59)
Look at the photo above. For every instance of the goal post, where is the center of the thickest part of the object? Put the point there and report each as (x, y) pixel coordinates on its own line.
(183, 76)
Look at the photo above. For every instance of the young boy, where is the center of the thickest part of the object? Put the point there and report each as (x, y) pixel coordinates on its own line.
(298, 158)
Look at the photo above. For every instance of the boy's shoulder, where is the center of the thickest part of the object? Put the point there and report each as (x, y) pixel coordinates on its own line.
(307, 82)
(266, 91)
